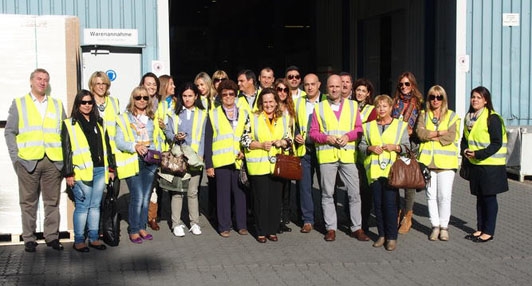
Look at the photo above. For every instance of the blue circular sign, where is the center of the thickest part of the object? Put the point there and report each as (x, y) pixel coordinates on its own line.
(111, 74)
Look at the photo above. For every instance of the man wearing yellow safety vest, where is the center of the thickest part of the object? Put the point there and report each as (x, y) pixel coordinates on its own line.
(306, 149)
(33, 139)
(335, 127)
(247, 83)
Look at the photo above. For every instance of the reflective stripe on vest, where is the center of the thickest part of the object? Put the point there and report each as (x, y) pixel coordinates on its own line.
(258, 160)
(444, 157)
(226, 140)
(330, 125)
(38, 137)
(81, 153)
(478, 138)
(127, 164)
(392, 135)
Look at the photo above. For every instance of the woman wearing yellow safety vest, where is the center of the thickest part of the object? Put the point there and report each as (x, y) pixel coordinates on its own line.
(484, 145)
(186, 126)
(288, 108)
(437, 129)
(151, 83)
(407, 104)
(363, 91)
(224, 159)
(382, 141)
(87, 164)
(267, 135)
(136, 134)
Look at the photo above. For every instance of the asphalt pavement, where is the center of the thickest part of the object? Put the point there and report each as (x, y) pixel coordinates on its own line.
(299, 259)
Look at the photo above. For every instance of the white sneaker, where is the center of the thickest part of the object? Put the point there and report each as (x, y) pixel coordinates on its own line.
(179, 230)
(195, 229)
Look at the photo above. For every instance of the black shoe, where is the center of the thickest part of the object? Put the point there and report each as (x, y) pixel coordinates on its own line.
(83, 249)
(98, 246)
(30, 246)
(284, 228)
(55, 244)
(479, 239)
(471, 236)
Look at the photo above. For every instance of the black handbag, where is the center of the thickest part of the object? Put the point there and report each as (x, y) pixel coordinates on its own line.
(109, 220)
(465, 169)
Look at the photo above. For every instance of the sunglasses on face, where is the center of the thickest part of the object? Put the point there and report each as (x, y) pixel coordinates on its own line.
(294, 76)
(436, 97)
(217, 80)
(86, 102)
(399, 85)
(280, 89)
(224, 94)
(146, 98)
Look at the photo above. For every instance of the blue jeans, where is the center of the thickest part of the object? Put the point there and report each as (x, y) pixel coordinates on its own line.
(309, 164)
(385, 206)
(88, 197)
(487, 209)
(140, 187)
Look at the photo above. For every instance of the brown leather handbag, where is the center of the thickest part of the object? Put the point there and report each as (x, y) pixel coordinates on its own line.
(406, 175)
(288, 167)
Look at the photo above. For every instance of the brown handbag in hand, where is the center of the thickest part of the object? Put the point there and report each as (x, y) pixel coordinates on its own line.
(288, 167)
(406, 176)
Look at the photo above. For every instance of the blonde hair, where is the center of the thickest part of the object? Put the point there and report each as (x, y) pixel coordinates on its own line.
(105, 80)
(438, 90)
(140, 91)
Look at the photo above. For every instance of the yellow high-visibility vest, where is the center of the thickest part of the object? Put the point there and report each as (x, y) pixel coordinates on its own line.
(258, 161)
(225, 138)
(198, 124)
(331, 126)
(81, 153)
(444, 157)
(479, 138)
(379, 165)
(38, 137)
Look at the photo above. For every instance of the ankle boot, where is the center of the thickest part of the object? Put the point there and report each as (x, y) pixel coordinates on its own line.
(152, 216)
(406, 224)
(400, 217)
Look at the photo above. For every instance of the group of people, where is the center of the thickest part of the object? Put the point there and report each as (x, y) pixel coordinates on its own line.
(346, 136)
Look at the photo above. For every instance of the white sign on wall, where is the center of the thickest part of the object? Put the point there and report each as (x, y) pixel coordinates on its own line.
(116, 37)
(510, 19)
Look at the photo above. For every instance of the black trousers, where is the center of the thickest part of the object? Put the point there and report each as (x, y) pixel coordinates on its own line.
(267, 193)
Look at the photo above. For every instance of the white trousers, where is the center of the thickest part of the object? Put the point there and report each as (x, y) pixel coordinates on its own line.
(439, 197)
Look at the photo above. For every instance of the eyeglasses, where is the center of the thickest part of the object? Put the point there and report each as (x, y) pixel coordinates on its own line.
(228, 94)
(217, 80)
(399, 85)
(146, 98)
(294, 76)
(280, 89)
(436, 97)
(86, 102)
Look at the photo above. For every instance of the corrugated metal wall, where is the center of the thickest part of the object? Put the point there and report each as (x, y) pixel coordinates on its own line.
(500, 57)
(100, 14)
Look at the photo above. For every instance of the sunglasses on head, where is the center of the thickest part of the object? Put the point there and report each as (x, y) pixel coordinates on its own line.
(403, 83)
(280, 89)
(436, 97)
(216, 80)
(138, 97)
(294, 76)
(86, 102)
